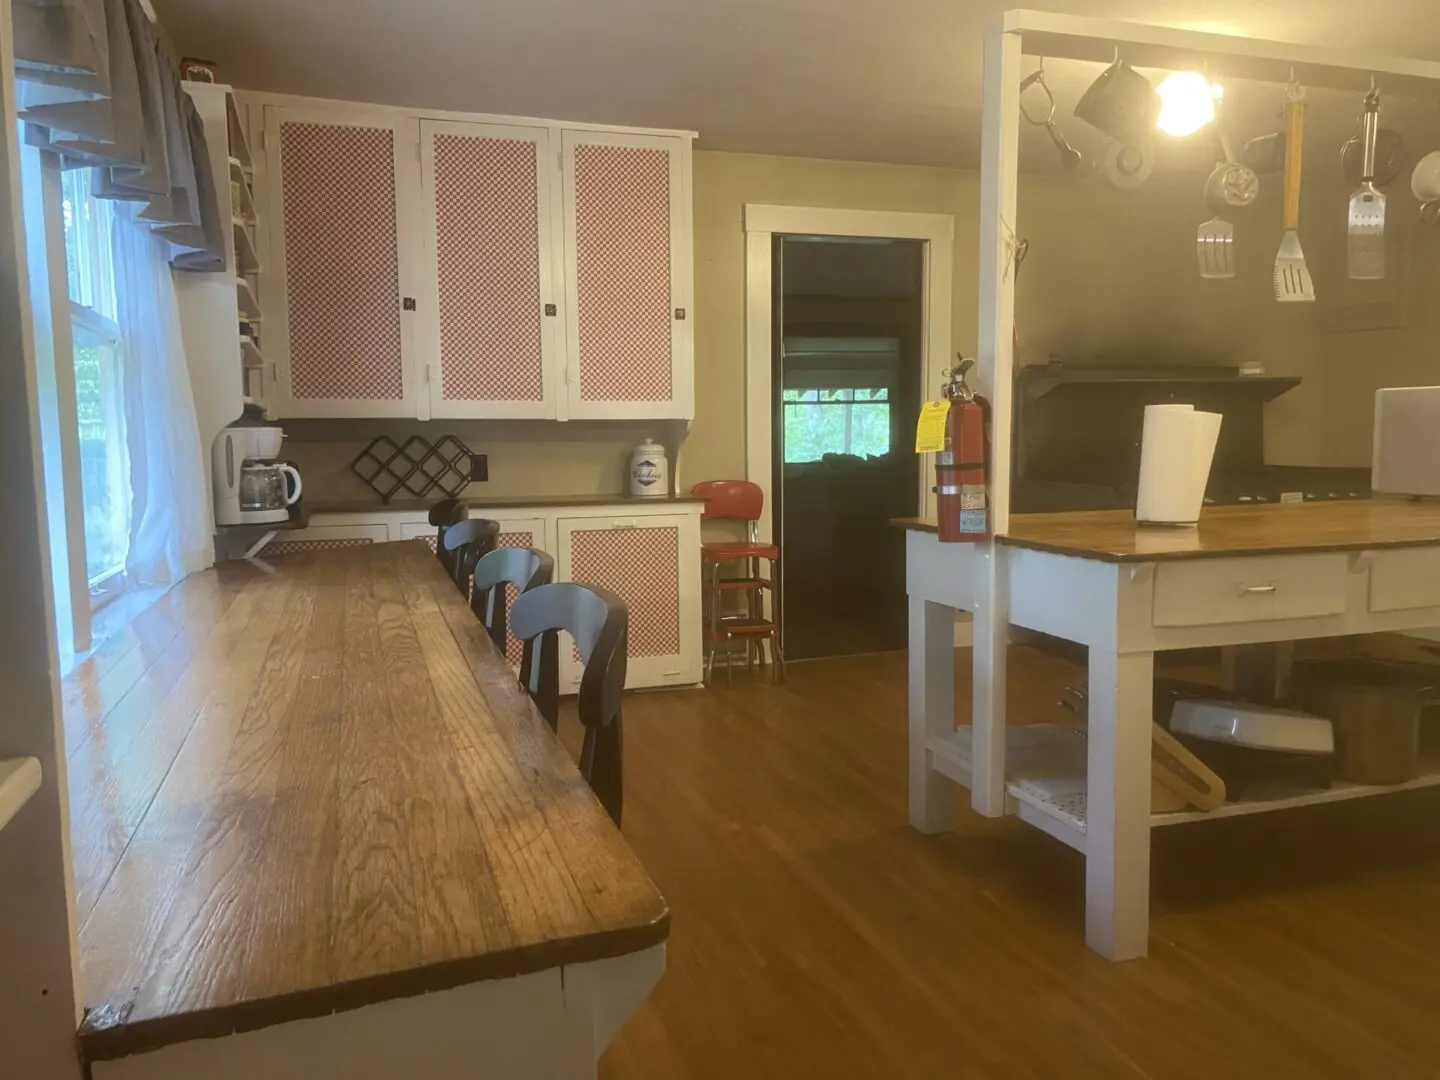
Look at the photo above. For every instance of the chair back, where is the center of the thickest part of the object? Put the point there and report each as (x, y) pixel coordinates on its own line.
(442, 515)
(735, 500)
(599, 622)
(524, 568)
(465, 543)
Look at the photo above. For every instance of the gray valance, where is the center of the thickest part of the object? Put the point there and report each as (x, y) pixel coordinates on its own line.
(95, 88)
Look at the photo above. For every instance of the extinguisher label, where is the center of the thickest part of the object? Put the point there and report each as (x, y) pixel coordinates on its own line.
(930, 431)
(974, 521)
(973, 501)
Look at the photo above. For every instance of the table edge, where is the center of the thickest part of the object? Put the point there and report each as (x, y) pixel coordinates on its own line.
(106, 1032)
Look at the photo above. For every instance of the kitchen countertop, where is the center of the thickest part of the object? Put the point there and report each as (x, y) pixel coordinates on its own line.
(327, 791)
(518, 502)
(1113, 535)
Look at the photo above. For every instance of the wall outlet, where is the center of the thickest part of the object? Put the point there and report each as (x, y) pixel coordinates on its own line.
(479, 468)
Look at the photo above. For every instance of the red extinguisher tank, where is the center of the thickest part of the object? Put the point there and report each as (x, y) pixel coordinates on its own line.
(962, 469)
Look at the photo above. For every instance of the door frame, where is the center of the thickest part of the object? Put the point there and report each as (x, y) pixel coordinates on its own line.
(762, 224)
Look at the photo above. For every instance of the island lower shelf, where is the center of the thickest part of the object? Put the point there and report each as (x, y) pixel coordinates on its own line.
(1045, 781)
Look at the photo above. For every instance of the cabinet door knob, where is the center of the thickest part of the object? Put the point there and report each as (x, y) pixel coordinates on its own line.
(550, 309)
(680, 314)
(408, 303)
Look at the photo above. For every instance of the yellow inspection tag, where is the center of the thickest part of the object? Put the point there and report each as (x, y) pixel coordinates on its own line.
(930, 431)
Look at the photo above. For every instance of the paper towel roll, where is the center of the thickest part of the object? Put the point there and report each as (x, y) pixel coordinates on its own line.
(1176, 450)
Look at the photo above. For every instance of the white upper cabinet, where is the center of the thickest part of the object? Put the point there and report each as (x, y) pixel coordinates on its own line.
(628, 275)
(344, 262)
(486, 193)
(448, 268)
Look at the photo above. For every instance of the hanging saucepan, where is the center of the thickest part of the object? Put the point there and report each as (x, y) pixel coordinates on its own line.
(1123, 104)
(1389, 157)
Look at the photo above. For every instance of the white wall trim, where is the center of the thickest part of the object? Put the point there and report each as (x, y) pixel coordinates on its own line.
(762, 223)
(338, 107)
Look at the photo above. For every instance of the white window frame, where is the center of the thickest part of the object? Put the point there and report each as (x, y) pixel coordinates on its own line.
(110, 583)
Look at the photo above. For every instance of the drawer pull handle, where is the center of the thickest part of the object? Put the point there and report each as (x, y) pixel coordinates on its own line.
(1257, 590)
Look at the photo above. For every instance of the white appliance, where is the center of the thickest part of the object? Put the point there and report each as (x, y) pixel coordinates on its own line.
(1255, 726)
(1406, 458)
(248, 490)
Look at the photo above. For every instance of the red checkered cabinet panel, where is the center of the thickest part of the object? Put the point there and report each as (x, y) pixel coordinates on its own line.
(627, 261)
(486, 194)
(339, 257)
(641, 559)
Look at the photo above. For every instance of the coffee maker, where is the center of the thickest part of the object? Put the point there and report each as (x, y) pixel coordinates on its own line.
(251, 487)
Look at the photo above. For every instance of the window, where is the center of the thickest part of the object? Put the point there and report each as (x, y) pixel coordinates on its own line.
(854, 420)
(98, 354)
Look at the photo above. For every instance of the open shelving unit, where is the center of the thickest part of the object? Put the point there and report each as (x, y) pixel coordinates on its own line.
(246, 260)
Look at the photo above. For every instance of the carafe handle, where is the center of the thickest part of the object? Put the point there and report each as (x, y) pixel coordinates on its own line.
(292, 498)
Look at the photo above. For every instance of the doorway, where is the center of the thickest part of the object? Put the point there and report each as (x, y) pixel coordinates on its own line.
(848, 360)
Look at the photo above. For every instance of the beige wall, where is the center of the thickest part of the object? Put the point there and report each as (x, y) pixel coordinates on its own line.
(1111, 275)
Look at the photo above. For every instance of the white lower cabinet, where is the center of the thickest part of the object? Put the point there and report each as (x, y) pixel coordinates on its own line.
(650, 556)
(652, 562)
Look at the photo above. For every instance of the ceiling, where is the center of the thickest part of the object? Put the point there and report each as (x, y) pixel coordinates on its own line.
(897, 81)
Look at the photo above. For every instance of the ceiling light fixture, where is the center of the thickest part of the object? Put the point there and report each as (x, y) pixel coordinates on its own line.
(1187, 103)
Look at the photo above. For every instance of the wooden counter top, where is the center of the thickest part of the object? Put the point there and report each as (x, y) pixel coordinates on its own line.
(314, 789)
(1113, 536)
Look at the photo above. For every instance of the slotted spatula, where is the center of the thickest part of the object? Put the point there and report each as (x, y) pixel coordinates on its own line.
(1292, 277)
(1365, 247)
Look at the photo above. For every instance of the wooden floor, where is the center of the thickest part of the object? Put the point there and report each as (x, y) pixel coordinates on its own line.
(816, 935)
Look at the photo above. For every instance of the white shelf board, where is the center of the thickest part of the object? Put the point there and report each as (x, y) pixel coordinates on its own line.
(1073, 37)
(246, 259)
(240, 175)
(246, 298)
(1045, 781)
(250, 353)
(19, 779)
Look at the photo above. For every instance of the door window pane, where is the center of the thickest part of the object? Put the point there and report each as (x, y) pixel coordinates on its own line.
(836, 421)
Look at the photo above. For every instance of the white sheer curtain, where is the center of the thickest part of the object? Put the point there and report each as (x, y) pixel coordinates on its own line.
(169, 533)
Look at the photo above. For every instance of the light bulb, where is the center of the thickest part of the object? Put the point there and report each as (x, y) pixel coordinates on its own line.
(1187, 103)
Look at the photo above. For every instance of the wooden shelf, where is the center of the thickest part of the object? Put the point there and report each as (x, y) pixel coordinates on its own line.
(250, 354)
(246, 259)
(19, 779)
(1045, 778)
(246, 297)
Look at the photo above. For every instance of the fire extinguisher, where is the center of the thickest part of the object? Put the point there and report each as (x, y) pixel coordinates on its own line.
(962, 469)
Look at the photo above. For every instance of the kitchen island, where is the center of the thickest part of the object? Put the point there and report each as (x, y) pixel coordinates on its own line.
(1245, 575)
(319, 830)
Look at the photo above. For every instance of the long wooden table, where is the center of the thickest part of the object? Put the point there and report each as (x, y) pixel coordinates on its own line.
(1247, 575)
(303, 795)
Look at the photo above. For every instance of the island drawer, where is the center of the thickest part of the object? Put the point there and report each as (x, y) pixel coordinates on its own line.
(1405, 579)
(1211, 592)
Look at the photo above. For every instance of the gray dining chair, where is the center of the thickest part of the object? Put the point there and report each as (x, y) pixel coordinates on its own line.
(600, 624)
(442, 515)
(523, 568)
(466, 542)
